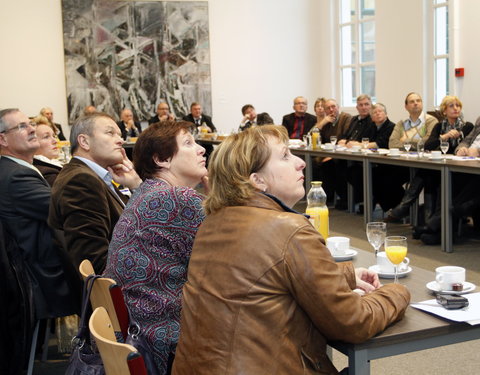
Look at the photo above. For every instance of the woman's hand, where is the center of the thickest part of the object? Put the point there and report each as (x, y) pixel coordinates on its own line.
(367, 280)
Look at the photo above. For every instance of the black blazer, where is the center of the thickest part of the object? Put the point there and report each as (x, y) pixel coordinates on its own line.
(49, 171)
(289, 122)
(204, 119)
(24, 206)
(131, 133)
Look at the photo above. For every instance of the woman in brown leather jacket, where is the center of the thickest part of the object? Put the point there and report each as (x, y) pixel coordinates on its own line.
(263, 294)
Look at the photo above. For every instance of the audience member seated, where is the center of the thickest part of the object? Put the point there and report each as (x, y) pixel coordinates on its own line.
(466, 201)
(383, 129)
(418, 126)
(197, 117)
(46, 157)
(152, 241)
(452, 129)
(319, 108)
(249, 117)
(127, 125)
(278, 287)
(264, 119)
(299, 122)
(163, 113)
(336, 124)
(361, 127)
(24, 206)
(89, 110)
(57, 128)
(86, 204)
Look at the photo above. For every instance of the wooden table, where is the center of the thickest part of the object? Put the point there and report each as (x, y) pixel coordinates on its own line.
(416, 331)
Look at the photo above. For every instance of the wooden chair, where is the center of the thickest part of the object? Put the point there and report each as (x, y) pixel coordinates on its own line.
(118, 359)
(106, 293)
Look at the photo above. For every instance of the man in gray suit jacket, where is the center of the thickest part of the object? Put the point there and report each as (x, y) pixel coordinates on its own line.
(86, 204)
(24, 205)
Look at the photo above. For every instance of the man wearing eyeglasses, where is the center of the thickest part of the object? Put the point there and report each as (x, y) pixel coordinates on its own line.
(24, 205)
(86, 204)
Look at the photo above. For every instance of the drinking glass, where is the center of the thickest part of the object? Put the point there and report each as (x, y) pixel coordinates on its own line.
(396, 250)
(376, 232)
(407, 145)
(365, 142)
(333, 141)
(420, 148)
(444, 145)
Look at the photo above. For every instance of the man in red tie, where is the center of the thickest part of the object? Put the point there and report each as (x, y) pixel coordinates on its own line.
(299, 122)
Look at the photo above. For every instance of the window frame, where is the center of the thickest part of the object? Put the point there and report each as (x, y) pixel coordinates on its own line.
(357, 86)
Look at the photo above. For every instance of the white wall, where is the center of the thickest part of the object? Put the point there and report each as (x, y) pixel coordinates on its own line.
(263, 52)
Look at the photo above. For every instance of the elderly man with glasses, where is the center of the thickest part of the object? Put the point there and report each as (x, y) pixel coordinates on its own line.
(24, 206)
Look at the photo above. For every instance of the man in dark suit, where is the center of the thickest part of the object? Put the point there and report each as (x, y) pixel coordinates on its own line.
(299, 122)
(198, 118)
(86, 204)
(24, 205)
(163, 113)
(128, 127)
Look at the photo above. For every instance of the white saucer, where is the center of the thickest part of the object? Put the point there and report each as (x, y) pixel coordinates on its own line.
(383, 151)
(349, 254)
(389, 275)
(467, 288)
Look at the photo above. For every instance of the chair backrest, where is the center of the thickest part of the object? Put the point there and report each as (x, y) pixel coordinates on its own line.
(117, 358)
(106, 293)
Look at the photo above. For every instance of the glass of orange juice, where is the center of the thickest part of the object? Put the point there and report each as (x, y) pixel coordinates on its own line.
(396, 250)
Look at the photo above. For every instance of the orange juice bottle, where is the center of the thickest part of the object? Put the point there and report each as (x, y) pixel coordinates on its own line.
(317, 208)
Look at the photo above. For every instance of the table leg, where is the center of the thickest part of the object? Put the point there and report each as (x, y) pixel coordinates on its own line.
(367, 191)
(358, 362)
(447, 230)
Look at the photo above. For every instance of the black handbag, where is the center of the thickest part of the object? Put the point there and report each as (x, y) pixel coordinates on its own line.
(136, 339)
(85, 359)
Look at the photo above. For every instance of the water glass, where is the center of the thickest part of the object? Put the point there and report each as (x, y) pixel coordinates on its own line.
(333, 141)
(376, 232)
(444, 145)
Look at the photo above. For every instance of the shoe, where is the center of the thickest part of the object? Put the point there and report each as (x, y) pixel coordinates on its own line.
(418, 231)
(431, 238)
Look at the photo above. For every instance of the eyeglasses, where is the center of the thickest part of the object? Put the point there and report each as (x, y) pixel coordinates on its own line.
(20, 127)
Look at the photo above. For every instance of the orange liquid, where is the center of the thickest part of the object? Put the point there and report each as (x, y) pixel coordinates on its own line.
(396, 254)
(320, 219)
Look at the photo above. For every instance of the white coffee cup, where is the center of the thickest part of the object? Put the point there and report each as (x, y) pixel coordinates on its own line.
(356, 148)
(328, 146)
(446, 276)
(385, 266)
(338, 245)
(394, 151)
(436, 154)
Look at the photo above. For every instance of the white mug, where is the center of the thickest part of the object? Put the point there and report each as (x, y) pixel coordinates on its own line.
(394, 151)
(356, 148)
(446, 276)
(384, 265)
(436, 154)
(328, 146)
(338, 245)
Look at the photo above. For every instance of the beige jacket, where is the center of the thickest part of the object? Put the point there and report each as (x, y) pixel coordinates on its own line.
(264, 295)
(413, 134)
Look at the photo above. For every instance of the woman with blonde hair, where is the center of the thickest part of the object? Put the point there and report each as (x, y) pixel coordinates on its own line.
(263, 293)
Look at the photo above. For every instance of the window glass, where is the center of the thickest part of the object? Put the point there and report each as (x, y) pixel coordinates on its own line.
(441, 31)
(348, 45)
(367, 8)
(368, 80)
(347, 11)
(441, 79)
(349, 86)
(367, 41)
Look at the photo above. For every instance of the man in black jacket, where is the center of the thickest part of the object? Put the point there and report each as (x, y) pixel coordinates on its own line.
(24, 205)
(198, 118)
(128, 127)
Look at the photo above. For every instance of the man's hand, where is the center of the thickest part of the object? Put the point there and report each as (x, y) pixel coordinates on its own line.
(124, 173)
(367, 280)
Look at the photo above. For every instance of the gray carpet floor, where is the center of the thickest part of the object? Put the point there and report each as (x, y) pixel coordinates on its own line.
(459, 359)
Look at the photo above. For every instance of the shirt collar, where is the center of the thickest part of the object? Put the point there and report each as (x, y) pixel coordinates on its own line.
(100, 171)
(283, 205)
(408, 123)
(23, 162)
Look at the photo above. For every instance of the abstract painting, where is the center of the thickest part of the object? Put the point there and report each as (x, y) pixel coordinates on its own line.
(134, 54)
